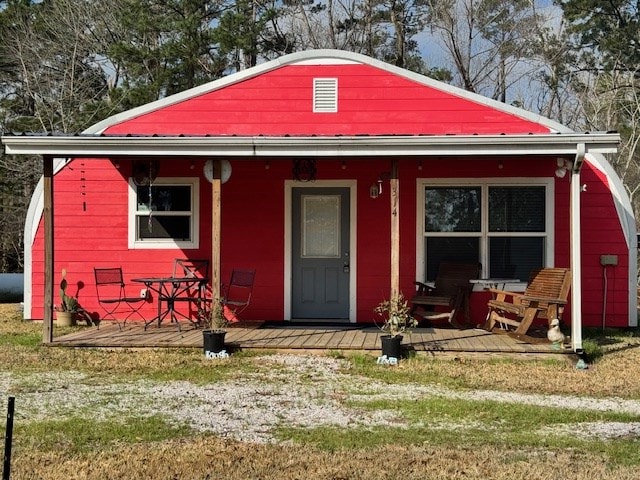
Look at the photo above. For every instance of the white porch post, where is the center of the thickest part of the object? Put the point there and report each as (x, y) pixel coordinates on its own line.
(576, 263)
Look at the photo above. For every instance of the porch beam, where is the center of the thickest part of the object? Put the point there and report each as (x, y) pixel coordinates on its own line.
(317, 146)
(47, 324)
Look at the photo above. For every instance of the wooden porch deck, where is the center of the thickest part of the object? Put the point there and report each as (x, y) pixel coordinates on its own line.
(430, 341)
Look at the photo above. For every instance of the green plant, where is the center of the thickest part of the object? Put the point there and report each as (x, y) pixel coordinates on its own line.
(215, 319)
(396, 315)
(67, 302)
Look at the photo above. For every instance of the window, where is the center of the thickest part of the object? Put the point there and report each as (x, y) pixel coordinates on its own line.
(505, 224)
(164, 214)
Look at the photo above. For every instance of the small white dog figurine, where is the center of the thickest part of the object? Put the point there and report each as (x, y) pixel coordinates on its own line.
(554, 334)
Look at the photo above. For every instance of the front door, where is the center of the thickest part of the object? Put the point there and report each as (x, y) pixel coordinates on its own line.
(320, 256)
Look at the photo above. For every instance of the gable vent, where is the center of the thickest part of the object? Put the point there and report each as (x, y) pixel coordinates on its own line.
(325, 95)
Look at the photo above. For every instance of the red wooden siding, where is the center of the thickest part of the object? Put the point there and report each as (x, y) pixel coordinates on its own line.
(91, 229)
(371, 102)
(602, 235)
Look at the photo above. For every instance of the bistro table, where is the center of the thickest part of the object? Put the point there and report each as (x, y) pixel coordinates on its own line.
(172, 290)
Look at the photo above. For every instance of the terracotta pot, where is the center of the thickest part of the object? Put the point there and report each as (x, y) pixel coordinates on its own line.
(65, 319)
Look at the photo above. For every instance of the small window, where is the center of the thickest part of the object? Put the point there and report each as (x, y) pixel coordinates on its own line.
(325, 95)
(164, 214)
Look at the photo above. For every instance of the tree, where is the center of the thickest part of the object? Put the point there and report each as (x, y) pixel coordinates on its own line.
(607, 37)
(488, 41)
(607, 33)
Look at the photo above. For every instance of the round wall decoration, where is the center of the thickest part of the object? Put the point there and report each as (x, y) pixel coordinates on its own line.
(225, 173)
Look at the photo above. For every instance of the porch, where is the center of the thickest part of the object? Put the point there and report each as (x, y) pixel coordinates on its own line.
(364, 338)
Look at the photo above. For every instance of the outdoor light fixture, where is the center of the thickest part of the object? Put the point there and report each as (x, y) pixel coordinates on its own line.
(375, 190)
(563, 166)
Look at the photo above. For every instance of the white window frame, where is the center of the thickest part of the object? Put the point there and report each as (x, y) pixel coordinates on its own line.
(168, 243)
(484, 234)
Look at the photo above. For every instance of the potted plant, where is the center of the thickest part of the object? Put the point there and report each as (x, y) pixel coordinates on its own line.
(69, 306)
(214, 324)
(397, 320)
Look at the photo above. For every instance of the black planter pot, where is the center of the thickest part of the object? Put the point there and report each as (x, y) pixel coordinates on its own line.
(212, 342)
(391, 346)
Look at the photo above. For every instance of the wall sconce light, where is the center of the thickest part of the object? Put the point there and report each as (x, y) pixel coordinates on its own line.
(344, 165)
(267, 165)
(563, 166)
(375, 190)
(192, 165)
(116, 163)
(420, 165)
(500, 165)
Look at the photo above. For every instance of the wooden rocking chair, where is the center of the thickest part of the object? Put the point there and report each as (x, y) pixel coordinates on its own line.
(450, 293)
(545, 297)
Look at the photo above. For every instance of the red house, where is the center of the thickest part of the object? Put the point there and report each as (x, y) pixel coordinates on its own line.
(343, 179)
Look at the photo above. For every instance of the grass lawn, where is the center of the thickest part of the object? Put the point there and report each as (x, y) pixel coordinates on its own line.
(107, 414)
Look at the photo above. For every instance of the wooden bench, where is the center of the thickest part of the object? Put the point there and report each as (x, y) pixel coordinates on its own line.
(545, 297)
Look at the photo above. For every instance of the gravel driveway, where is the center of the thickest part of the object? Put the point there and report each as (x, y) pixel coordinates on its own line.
(293, 390)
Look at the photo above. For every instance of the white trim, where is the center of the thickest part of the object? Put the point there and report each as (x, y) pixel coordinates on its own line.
(133, 244)
(319, 146)
(289, 185)
(576, 262)
(484, 183)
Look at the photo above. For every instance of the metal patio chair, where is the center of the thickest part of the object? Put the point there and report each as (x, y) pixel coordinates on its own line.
(111, 291)
(236, 295)
(194, 295)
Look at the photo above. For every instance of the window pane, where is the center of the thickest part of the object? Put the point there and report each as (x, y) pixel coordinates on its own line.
(516, 209)
(174, 227)
(515, 257)
(454, 249)
(165, 198)
(320, 226)
(452, 209)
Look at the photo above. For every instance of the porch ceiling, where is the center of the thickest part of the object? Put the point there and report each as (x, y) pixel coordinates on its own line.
(338, 146)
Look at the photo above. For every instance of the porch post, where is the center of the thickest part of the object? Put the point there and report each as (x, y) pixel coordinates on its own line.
(395, 229)
(576, 264)
(47, 328)
(216, 226)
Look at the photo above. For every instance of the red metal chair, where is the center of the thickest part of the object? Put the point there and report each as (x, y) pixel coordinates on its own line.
(193, 295)
(237, 294)
(110, 288)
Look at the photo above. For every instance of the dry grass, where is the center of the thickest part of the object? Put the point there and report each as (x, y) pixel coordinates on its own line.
(211, 459)
(198, 457)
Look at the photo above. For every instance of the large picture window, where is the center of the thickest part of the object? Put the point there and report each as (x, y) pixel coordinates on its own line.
(164, 214)
(505, 225)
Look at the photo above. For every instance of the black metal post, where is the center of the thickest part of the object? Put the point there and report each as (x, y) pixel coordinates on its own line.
(6, 470)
